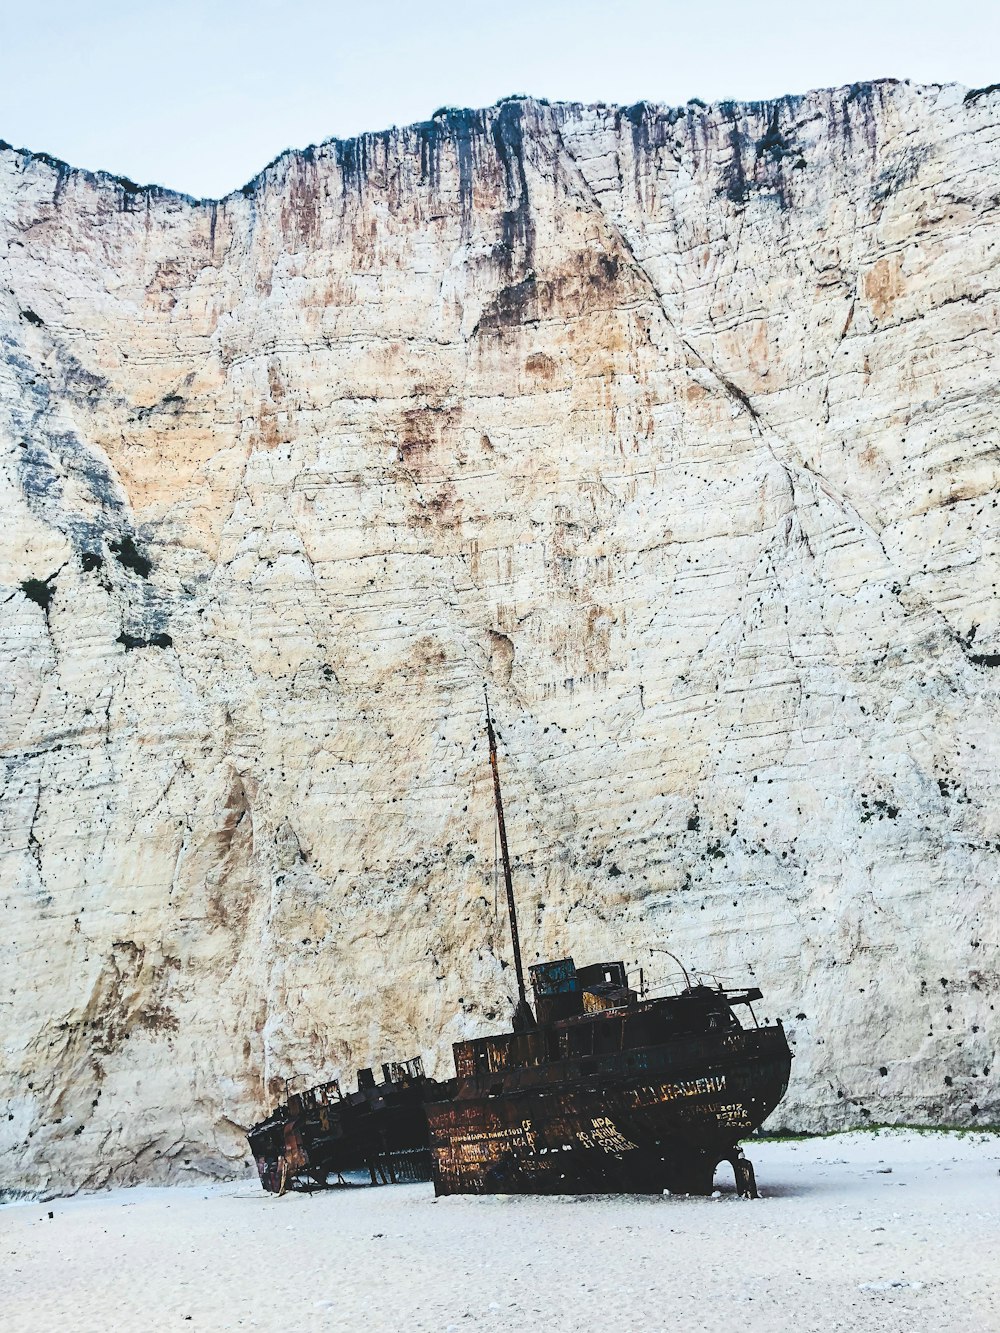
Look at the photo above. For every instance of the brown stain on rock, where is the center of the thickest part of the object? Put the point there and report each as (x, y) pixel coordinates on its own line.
(229, 852)
(129, 995)
(585, 281)
(884, 285)
(501, 656)
(428, 446)
(540, 365)
(275, 380)
(424, 437)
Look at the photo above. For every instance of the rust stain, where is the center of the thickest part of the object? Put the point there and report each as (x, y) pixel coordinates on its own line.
(884, 285)
(541, 365)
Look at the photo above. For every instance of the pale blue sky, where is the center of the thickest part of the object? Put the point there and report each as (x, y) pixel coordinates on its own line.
(200, 94)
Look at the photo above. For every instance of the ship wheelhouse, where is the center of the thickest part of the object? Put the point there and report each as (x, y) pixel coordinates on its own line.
(590, 1012)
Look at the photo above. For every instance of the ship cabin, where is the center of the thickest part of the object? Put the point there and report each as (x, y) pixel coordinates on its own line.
(591, 1011)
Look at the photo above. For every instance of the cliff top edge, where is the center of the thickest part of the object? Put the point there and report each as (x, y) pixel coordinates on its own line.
(450, 121)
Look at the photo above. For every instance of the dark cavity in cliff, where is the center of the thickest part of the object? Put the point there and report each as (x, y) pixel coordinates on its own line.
(133, 641)
(128, 555)
(40, 591)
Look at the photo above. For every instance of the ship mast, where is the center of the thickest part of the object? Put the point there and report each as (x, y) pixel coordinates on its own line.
(523, 1017)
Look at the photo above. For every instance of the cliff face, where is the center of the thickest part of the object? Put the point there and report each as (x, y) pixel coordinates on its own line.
(678, 426)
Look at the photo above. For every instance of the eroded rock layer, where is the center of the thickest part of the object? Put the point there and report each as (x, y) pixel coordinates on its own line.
(679, 427)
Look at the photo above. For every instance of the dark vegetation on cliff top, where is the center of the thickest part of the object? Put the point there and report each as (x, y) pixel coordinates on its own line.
(447, 123)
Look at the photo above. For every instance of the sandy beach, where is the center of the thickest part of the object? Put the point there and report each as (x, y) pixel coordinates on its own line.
(893, 1231)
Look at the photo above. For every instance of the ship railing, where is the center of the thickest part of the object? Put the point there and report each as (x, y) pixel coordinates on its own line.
(403, 1071)
(322, 1094)
(605, 1043)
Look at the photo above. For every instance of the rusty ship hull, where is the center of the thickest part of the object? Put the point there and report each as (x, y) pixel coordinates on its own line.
(642, 1120)
(321, 1134)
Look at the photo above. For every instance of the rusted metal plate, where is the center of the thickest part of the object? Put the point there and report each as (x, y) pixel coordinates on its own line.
(638, 1119)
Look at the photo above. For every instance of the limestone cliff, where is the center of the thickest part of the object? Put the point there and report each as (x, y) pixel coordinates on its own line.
(679, 426)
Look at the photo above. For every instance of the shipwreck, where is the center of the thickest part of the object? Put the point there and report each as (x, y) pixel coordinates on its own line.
(596, 1088)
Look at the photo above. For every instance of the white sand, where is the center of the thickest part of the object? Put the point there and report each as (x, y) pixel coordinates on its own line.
(837, 1243)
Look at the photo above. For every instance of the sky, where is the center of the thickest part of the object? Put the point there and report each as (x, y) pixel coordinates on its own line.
(199, 95)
